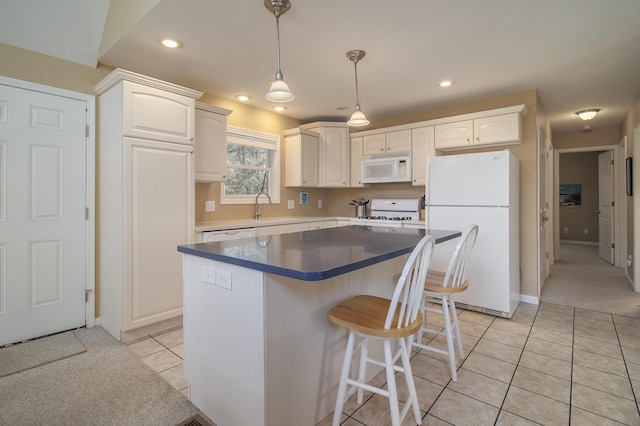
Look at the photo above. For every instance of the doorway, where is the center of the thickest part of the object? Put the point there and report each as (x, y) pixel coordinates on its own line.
(46, 210)
(584, 217)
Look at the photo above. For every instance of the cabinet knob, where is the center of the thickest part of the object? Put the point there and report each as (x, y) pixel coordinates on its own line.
(381, 149)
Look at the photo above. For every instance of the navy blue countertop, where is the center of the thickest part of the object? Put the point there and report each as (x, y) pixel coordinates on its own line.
(319, 254)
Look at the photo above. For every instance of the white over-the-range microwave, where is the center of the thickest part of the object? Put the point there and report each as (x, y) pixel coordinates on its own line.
(387, 168)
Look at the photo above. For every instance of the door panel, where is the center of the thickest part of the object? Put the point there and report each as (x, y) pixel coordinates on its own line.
(42, 213)
(605, 208)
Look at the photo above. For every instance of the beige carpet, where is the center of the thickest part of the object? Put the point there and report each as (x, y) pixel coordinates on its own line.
(23, 356)
(581, 279)
(106, 385)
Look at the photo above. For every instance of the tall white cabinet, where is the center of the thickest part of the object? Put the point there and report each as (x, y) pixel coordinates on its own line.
(146, 201)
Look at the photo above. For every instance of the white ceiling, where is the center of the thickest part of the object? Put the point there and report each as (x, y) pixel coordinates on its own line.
(577, 54)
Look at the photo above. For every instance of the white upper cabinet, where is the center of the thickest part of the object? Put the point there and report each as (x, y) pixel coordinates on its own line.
(333, 153)
(454, 135)
(422, 148)
(356, 162)
(301, 158)
(498, 129)
(155, 114)
(388, 142)
(483, 131)
(210, 152)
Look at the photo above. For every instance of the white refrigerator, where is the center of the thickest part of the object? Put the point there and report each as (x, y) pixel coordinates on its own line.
(483, 189)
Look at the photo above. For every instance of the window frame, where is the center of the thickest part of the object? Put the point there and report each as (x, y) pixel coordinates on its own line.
(256, 139)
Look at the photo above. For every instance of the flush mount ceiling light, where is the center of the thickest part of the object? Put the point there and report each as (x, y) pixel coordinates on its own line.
(588, 114)
(171, 43)
(358, 118)
(279, 91)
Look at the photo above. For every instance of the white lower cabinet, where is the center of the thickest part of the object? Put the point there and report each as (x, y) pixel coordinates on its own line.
(262, 231)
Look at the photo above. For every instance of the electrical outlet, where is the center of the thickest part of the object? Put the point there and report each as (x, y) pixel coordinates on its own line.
(319, 204)
(223, 279)
(209, 206)
(208, 275)
(586, 231)
(290, 204)
(566, 230)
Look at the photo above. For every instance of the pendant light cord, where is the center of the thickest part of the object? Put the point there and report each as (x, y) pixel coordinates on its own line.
(276, 12)
(355, 67)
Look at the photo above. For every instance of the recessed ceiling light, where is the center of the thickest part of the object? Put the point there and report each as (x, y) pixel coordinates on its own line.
(342, 108)
(445, 83)
(243, 98)
(279, 108)
(171, 43)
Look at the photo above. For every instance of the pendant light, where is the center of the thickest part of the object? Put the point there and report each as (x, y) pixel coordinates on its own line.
(279, 91)
(358, 118)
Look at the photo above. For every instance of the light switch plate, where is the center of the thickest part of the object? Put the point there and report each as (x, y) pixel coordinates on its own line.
(290, 204)
(208, 275)
(209, 206)
(223, 279)
(319, 204)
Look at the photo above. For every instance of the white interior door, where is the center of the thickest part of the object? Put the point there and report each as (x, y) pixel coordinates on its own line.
(543, 221)
(605, 206)
(43, 164)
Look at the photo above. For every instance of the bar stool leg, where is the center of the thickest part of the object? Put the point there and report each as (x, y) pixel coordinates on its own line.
(408, 376)
(455, 326)
(391, 384)
(448, 335)
(344, 375)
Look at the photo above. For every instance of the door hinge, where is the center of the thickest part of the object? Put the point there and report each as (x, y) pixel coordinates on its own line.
(87, 131)
(86, 294)
(613, 204)
(86, 213)
(612, 162)
(613, 245)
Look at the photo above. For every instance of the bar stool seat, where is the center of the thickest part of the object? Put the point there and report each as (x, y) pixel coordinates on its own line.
(395, 321)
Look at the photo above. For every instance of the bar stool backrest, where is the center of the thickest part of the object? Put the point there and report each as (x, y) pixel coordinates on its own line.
(457, 269)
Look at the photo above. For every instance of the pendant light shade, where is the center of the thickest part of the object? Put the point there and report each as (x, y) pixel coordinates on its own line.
(279, 90)
(358, 118)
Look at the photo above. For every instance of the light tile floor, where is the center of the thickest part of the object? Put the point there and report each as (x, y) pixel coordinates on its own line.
(549, 364)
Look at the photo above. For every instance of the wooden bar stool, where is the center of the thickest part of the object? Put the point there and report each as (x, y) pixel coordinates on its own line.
(439, 289)
(396, 320)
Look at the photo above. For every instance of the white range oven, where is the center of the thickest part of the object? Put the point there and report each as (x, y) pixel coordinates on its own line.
(390, 212)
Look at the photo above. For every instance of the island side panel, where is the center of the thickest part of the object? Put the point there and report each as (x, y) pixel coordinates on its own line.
(224, 343)
(304, 350)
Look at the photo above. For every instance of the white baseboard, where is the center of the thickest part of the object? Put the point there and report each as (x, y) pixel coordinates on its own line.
(529, 299)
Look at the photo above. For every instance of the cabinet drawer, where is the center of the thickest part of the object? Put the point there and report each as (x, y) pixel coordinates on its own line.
(155, 114)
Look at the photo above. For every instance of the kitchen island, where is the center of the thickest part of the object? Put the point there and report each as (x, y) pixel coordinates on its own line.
(259, 348)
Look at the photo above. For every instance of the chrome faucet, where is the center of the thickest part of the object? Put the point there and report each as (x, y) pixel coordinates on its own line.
(256, 213)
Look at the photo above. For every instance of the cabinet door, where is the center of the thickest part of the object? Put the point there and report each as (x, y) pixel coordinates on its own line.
(158, 197)
(422, 148)
(262, 231)
(499, 129)
(210, 151)
(334, 157)
(155, 114)
(374, 144)
(399, 141)
(356, 162)
(454, 135)
(301, 158)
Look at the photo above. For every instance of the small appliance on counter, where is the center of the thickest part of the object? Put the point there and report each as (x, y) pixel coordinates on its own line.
(361, 207)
